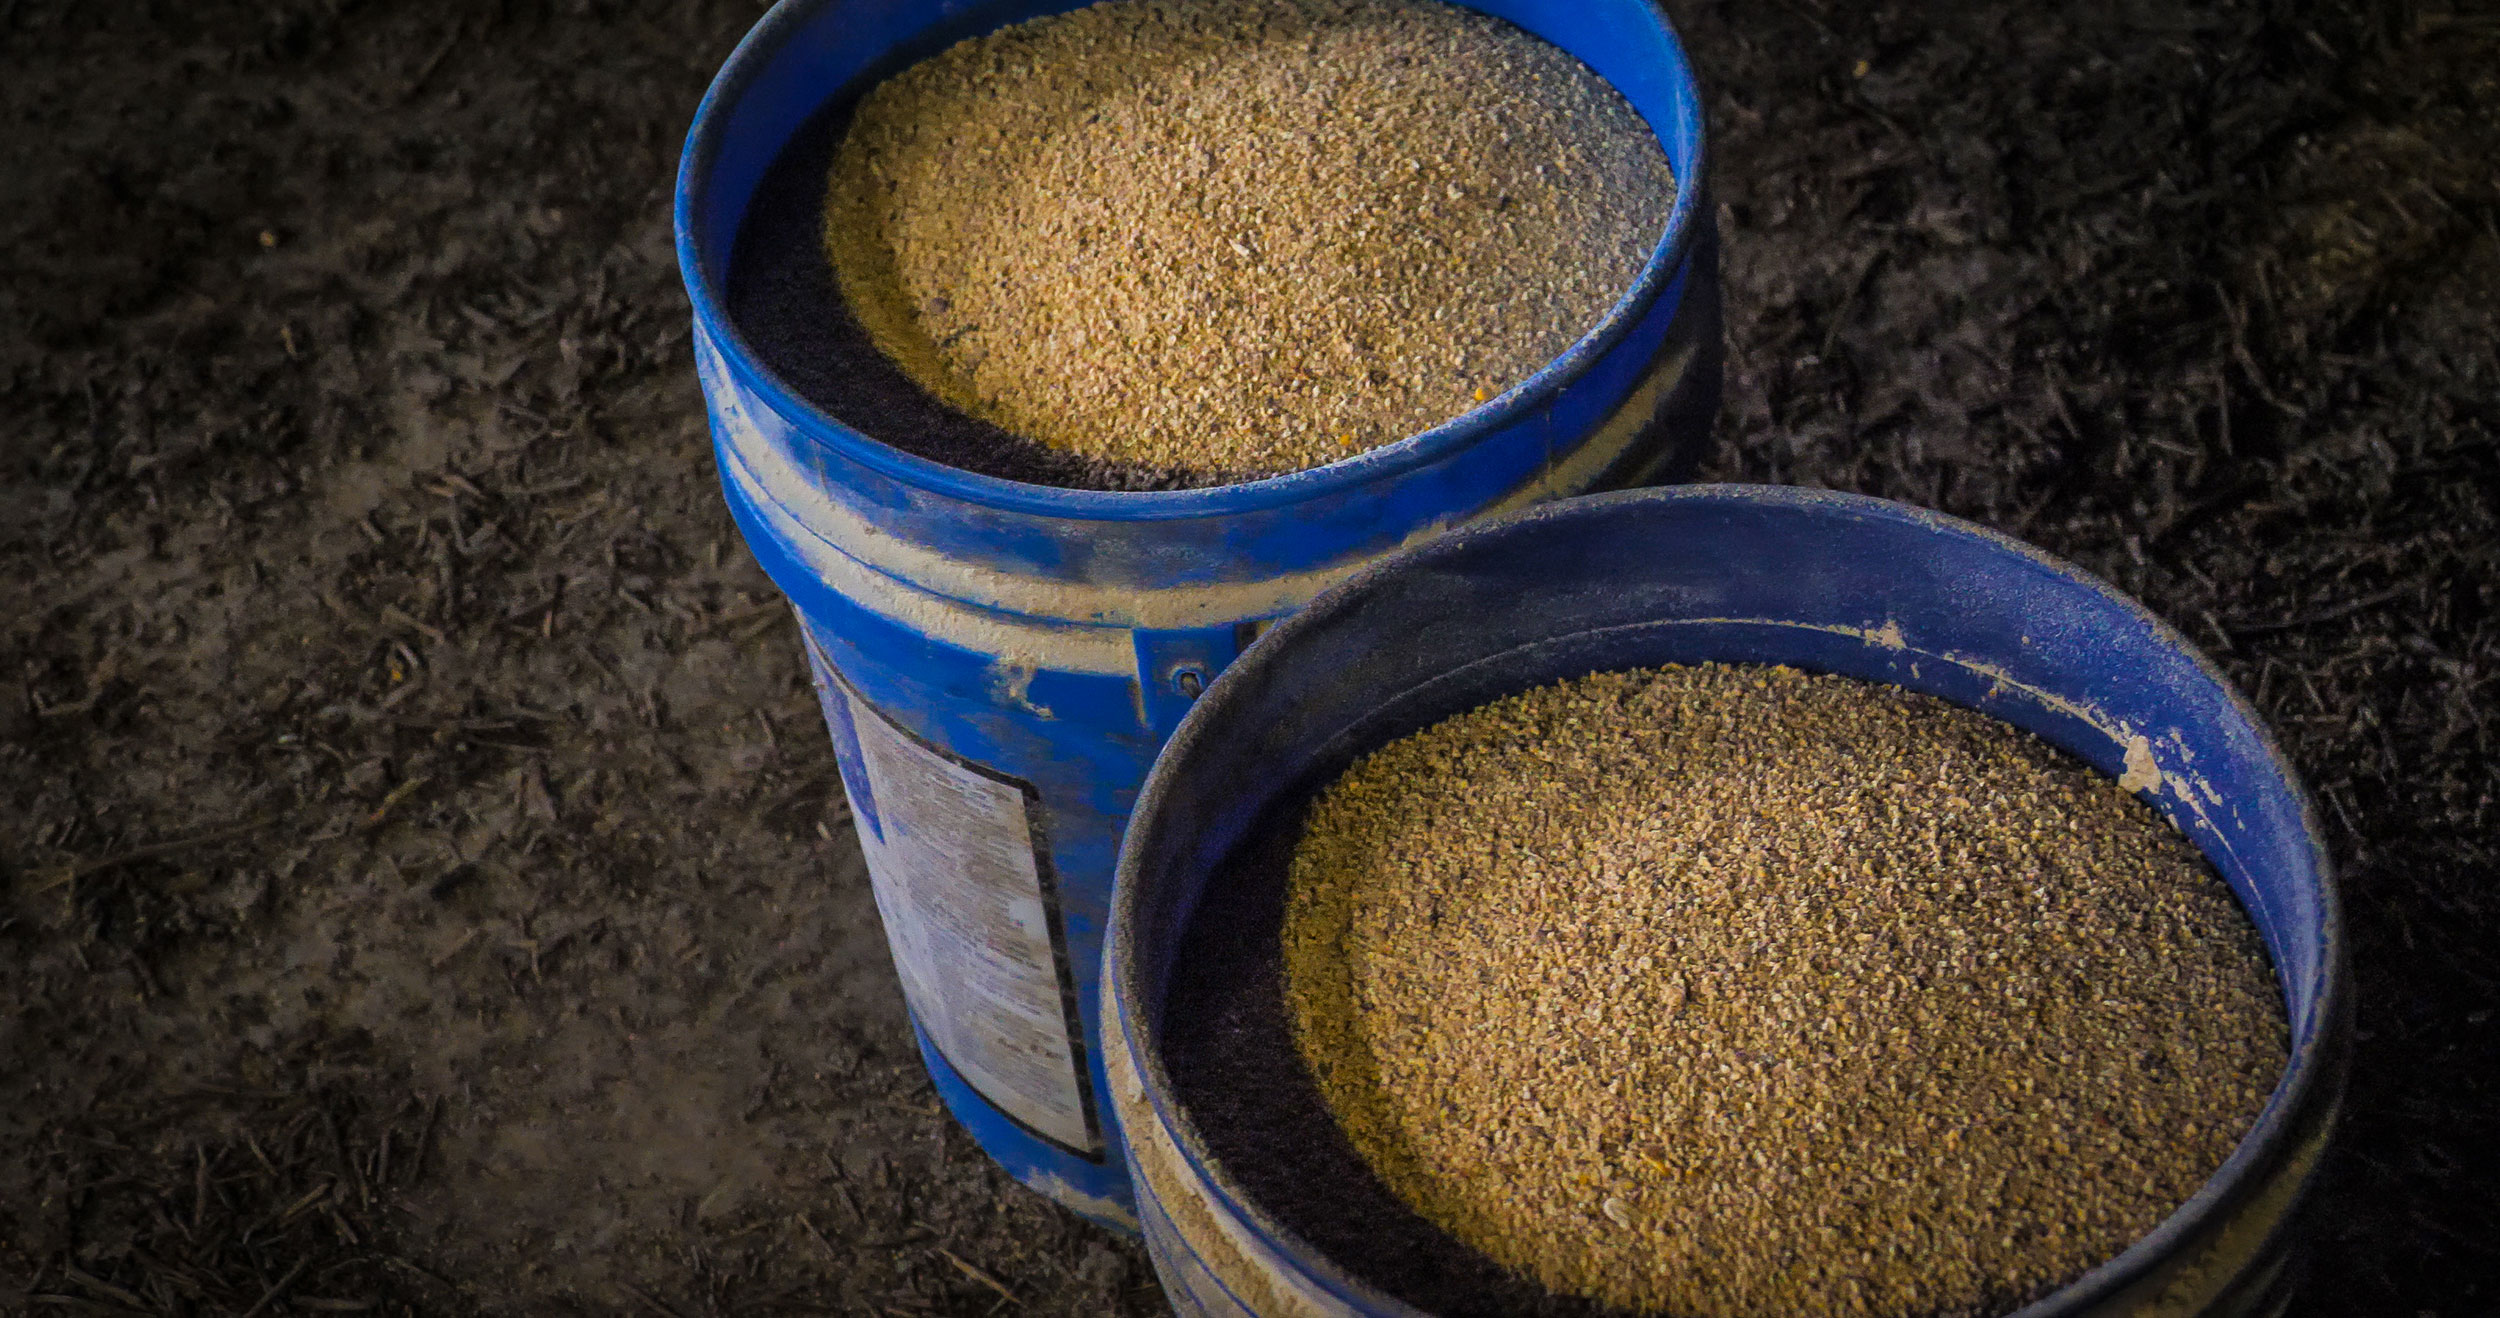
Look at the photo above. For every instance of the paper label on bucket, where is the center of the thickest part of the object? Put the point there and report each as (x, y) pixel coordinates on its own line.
(970, 913)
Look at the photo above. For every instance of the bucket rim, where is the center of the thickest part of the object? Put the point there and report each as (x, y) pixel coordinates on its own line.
(1663, 273)
(2312, 1077)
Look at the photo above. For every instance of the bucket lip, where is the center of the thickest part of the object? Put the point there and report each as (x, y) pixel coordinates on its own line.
(1667, 264)
(2312, 1076)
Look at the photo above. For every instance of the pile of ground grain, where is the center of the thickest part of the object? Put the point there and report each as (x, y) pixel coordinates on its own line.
(1741, 991)
(1203, 236)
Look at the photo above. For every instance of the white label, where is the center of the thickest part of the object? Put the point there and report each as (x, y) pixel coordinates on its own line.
(951, 854)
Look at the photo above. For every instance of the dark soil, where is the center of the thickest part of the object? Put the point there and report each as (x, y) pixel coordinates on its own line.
(423, 883)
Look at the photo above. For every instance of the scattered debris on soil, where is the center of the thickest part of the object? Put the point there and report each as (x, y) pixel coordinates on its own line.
(1200, 236)
(276, 1189)
(2202, 296)
(1739, 991)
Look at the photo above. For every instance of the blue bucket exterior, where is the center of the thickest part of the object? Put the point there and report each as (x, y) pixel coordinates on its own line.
(1045, 641)
(1812, 579)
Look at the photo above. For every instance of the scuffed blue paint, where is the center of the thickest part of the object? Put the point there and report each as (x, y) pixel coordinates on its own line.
(931, 590)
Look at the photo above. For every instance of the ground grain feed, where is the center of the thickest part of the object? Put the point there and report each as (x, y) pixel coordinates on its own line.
(1739, 991)
(783, 300)
(1213, 237)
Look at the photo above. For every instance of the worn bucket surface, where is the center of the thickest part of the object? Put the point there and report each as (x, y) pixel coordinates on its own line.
(1742, 574)
(1000, 661)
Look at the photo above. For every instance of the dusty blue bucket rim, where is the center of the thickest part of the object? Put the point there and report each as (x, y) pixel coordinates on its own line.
(1666, 263)
(2313, 1061)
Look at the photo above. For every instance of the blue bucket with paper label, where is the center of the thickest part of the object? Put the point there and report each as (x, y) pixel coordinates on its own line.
(1000, 661)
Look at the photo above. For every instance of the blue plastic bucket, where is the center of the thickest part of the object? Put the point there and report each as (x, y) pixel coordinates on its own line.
(999, 661)
(1816, 580)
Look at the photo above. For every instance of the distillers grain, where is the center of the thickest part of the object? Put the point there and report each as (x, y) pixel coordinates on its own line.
(1739, 991)
(1241, 237)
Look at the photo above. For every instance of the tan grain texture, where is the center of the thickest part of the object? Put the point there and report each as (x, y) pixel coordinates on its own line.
(1739, 991)
(1240, 236)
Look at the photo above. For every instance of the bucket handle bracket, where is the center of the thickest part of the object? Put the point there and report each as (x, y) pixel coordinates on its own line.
(1174, 667)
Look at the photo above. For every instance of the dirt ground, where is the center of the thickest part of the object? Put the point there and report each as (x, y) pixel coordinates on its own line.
(423, 882)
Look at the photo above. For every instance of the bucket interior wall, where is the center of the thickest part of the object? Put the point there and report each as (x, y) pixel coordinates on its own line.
(2010, 635)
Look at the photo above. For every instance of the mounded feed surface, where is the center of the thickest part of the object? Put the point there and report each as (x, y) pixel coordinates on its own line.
(1207, 235)
(1171, 243)
(2201, 296)
(1730, 992)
